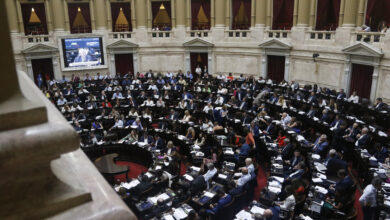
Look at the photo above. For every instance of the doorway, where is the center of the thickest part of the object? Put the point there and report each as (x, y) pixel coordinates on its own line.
(361, 80)
(200, 59)
(124, 63)
(275, 68)
(42, 71)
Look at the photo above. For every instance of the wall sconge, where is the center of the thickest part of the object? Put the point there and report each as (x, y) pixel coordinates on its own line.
(315, 55)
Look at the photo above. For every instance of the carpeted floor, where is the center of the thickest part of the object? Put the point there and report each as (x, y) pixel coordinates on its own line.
(357, 206)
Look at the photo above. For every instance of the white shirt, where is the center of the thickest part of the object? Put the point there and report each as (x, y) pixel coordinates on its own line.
(219, 101)
(243, 179)
(118, 124)
(61, 101)
(207, 108)
(354, 99)
(148, 103)
(369, 196)
(289, 203)
(286, 120)
(210, 173)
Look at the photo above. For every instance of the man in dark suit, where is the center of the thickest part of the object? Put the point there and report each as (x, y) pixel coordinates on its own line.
(146, 138)
(224, 199)
(159, 209)
(143, 186)
(380, 106)
(320, 146)
(344, 184)
(287, 149)
(362, 139)
(173, 115)
(186, 96)
(294, 161)
(312, 98)
(246, 119)
(341, 95)
(159, 143)
(244, 105)
(270, 130)
(338, 141)
(312, 112)
(191, 105)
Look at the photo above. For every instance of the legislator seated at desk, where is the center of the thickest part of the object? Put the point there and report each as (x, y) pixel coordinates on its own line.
(223, 199)
(143, 187)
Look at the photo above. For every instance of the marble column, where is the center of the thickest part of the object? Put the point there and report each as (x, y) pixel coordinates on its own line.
(92, 12)
(312, 20)
(180, 13)
(20, 17)
(295, 13)
(341, 15)
(59, 16)
(303, 13)
(141, 13)
(228, 15)
(12, 16)
(48, 11)
(269, 13)
(220, 13)
(108, 12)
(66, 13)
(100, 13)
(261, 13)
(374, 83)
(360, 16)
(350, 13)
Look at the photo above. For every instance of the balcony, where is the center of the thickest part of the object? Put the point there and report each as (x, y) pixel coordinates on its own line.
(160, 34)
(198, 33)
(30, 39)
(320, 35)
(367, 37)
(237, 33)
(277, 33)
(121, 35)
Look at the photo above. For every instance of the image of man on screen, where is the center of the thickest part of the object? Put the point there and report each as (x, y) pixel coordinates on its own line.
(83, 56)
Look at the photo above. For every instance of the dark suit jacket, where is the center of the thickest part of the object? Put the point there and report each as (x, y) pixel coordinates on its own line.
(140, 188)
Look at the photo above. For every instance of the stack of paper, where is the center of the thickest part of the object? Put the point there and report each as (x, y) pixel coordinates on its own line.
(256, 209)
(188, 177)
(179, 214)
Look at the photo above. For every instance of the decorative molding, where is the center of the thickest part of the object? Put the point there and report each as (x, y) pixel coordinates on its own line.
(363, 49)
(198, 43)
(122, 44)
(275, 44)
(40, 48)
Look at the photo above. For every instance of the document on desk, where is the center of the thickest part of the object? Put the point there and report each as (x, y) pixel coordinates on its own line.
(275, 190)
(194, 168)
(179, 214)
(209, 194)
(317, 180)
(222, 176)
(300, 138)
(244, 215)
(256, 209)
(279, 179)
(163, 196)
(188, 177)
(149, 175)
(168, 217)
(320, 167)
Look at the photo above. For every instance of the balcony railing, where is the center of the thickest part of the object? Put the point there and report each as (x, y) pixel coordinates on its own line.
(160, 34)
(37, 38)
(237, 33)
(198, 33)
(121, 35)
(321, 35)
(368, 37)
(278, 33)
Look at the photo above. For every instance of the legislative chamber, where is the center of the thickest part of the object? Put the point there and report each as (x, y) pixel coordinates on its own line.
(195, 109)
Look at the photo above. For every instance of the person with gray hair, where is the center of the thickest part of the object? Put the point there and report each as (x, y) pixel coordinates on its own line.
(249, 165)
(320, 145)
(362, 139)
(210, 173)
